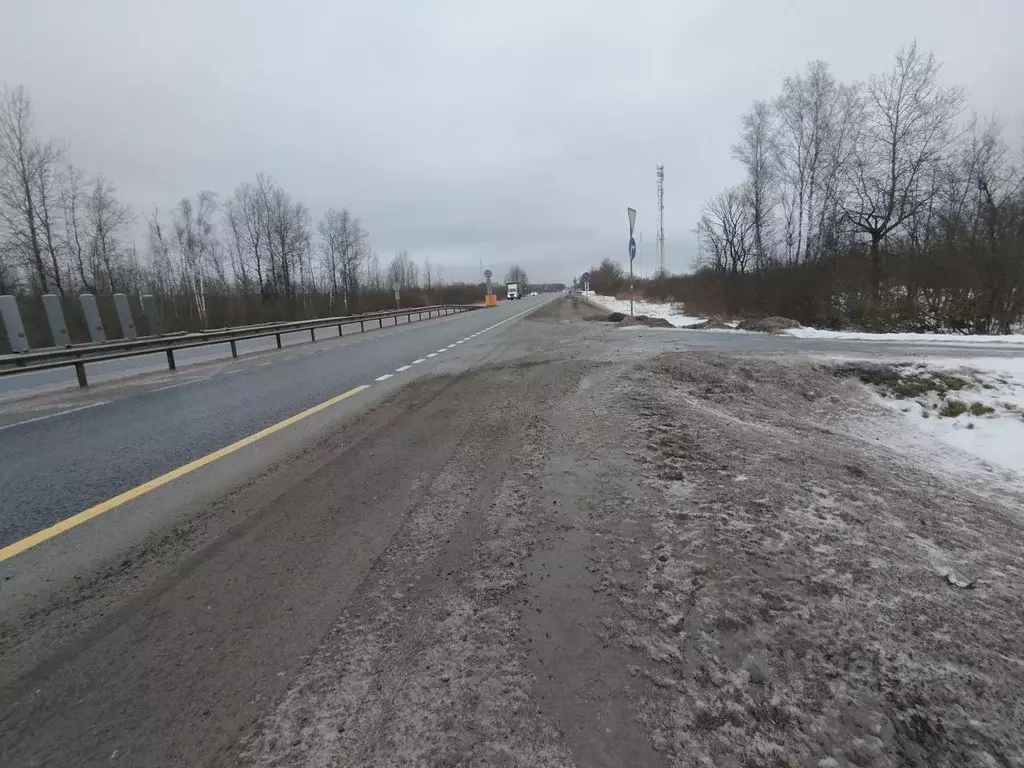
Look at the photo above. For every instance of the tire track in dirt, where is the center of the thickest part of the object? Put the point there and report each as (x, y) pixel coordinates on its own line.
(425, 666)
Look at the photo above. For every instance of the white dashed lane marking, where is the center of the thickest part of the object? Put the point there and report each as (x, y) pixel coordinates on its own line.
(404, 368)
(53, 415)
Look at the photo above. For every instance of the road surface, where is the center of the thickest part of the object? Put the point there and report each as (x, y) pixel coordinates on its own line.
(64, 378)
(71, 450)
(554, 543)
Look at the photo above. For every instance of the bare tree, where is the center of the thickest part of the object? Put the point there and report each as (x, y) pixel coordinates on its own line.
(402, 271)
(726, 231)
(106, 219)
(286, 225)
(47, 187)
(758, 153)
(817, 116)
(243, 214)
(161, 277)
(374, 278)
(196, 244)
(428, 274)
(517, 274)
(20, 158)
(74, 238)
(908, 123)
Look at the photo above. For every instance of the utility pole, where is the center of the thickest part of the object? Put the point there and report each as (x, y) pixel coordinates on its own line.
(660, 219)
(632, 255)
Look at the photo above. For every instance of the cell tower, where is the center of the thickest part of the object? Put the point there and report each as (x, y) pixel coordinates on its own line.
(661, 219)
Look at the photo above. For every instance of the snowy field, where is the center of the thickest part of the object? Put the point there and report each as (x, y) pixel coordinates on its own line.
(977, 407)
(942, 338)
(651, 309)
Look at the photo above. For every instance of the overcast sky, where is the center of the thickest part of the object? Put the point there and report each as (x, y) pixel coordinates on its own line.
(465, 129)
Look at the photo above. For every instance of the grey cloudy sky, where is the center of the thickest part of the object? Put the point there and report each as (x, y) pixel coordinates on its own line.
(461, 129)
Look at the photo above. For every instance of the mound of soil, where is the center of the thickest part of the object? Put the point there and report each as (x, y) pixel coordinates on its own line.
(615, 317)
(769, 324)
(654, 322)
(712, 324)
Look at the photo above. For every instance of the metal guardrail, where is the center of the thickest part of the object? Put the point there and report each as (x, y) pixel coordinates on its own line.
(80, 355)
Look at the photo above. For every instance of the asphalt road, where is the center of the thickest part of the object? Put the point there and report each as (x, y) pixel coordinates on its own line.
(87, 448)
(64, 378)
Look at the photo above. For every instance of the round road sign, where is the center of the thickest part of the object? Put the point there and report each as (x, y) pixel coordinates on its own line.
(488, 273)
(632, 249)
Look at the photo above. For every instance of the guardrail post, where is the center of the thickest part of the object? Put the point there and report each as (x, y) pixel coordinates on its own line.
(278, 337)
(170, 359)
(92, 318)
(124, 316)
(381, 321)
(234, 349)
(312, 334)
(12, 322)
(80, 373)
(339, 330)
(55, 316)
(362, 328)
(152, 313)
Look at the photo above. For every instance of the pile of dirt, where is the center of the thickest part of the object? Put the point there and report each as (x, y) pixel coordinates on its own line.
(654, 322)
(627, 321)
(769, 324)
(711, 324)
(759, 565)
(616, 317)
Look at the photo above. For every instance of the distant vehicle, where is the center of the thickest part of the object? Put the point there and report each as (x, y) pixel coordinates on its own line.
(533, 293)
(512, 291)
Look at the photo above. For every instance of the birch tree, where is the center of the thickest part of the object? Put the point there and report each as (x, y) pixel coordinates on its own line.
(757, 151)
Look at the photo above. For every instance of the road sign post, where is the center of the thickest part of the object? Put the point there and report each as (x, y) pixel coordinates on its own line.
(631, 212)
(489, 298)
(398, 296)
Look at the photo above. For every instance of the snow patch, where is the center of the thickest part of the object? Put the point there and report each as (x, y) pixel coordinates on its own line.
(649, 308)
(942, 338)
(997, 438)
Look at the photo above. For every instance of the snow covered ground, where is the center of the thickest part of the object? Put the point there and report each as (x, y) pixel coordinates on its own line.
(992, 426)
(947, 338)
(651, 309)
(679, 319)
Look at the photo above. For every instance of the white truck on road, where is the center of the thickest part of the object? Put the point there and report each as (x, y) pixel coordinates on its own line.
(512, 291)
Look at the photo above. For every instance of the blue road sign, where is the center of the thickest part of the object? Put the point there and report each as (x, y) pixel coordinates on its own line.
(632, 249)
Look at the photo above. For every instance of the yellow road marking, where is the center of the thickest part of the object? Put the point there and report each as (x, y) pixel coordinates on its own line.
(105, 506)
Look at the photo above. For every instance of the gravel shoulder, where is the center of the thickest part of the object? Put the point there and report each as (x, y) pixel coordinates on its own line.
(587, 551)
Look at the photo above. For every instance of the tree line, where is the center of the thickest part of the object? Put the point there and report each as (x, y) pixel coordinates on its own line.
(256, 255)
(876, 204)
